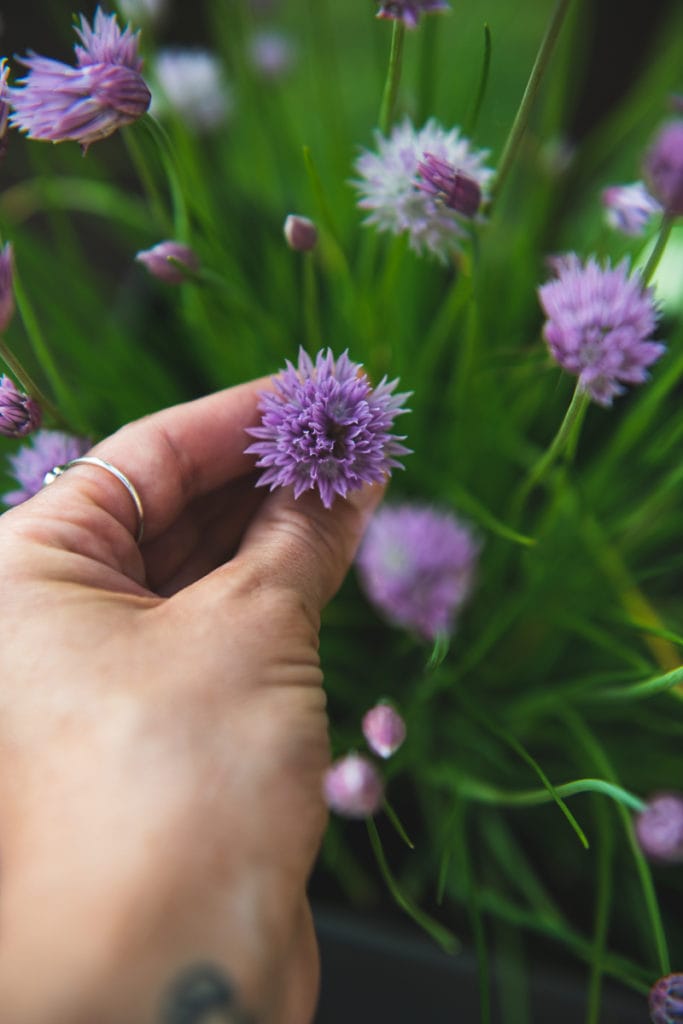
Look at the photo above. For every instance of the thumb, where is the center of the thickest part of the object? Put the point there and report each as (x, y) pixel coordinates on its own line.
(299, 545)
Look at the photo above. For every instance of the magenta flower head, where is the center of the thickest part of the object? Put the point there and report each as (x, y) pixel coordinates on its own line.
(6, 286)
(19, 413)
(663, 167)
(325, 428)
(46, 449)
(599, 325)
(666, 1000)
(162, 261)
(353, 787)
(423, 182)
(410, 11)
(301, 233)
(417, 566)
(60, 103)
(384, 729)
(629, 208)
(659, 828)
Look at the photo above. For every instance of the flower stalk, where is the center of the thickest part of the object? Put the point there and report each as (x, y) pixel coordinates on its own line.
(659, 247)
(387, 109)
(521, 121)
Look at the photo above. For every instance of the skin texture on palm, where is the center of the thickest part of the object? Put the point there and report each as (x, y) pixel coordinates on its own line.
(162, 724)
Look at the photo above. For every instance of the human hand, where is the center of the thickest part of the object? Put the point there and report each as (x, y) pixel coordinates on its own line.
(162, 725)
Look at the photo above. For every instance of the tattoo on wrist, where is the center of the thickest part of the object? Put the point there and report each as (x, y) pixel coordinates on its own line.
(202, 994)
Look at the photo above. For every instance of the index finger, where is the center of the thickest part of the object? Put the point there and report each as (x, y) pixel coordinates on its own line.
(170, 457)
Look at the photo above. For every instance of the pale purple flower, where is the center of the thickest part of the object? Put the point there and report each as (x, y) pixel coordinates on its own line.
(46, 449)
(191, 84)
(19, 413)
(659, 828)
(59, 103)
(453, 188)
(410, 11)
(629, 208)
(663, 167)
(300, 232)
(384, 729)
(325, 427)
(353, 787)
(417, 566)
(393, 193)
(6, 286)
(162, 261)
(600, 320)
(272, 54)
(666, 1000)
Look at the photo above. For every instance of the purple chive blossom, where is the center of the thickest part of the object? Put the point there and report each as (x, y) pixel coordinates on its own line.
(663, 167)
(19, 413)
(325, 427)
(599, 325)
(353, 787)
(659, 828)
(384, 729)
(410, 11)
(629, 208)
(301, 233)
(46, 449)
(272, 54)
(190, 83)
(6, 286)
(666, 1000)
(417, 566)
(394, 194)
(162, 261)
(60, 103)
(442, 181)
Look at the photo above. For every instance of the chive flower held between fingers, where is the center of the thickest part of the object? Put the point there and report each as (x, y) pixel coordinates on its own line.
(410, 11)
(396, 185)
(417, 566)
(46, 449)
(59, 103)
(659, 829)
(353, 787)
(325, 428)
(600, 321)
(19, 413)
(162, 261)
(666, 1000)
(629, 208)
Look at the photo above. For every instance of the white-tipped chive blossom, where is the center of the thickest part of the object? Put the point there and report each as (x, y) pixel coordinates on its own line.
(353, 787)
(300, 232)
(659, 828)
(163, 261)
(629, 208)
(384, 729)
(191, 83)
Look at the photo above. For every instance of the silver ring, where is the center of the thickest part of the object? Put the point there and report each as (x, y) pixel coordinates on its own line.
(92, 460)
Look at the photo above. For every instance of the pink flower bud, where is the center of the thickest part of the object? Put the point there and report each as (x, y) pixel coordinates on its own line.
(162, 261)
(301, 233)
(384, 730)
(666, 1000)
(659, 829)
(663, 167)
(353, 787)
(19, 413)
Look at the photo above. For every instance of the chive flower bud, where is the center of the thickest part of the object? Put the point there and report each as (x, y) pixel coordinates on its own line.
(666, 1000)
(659, 829)
(300, 232)
(353, 787)
(163, 259)
(19, 413)
(384, 729)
